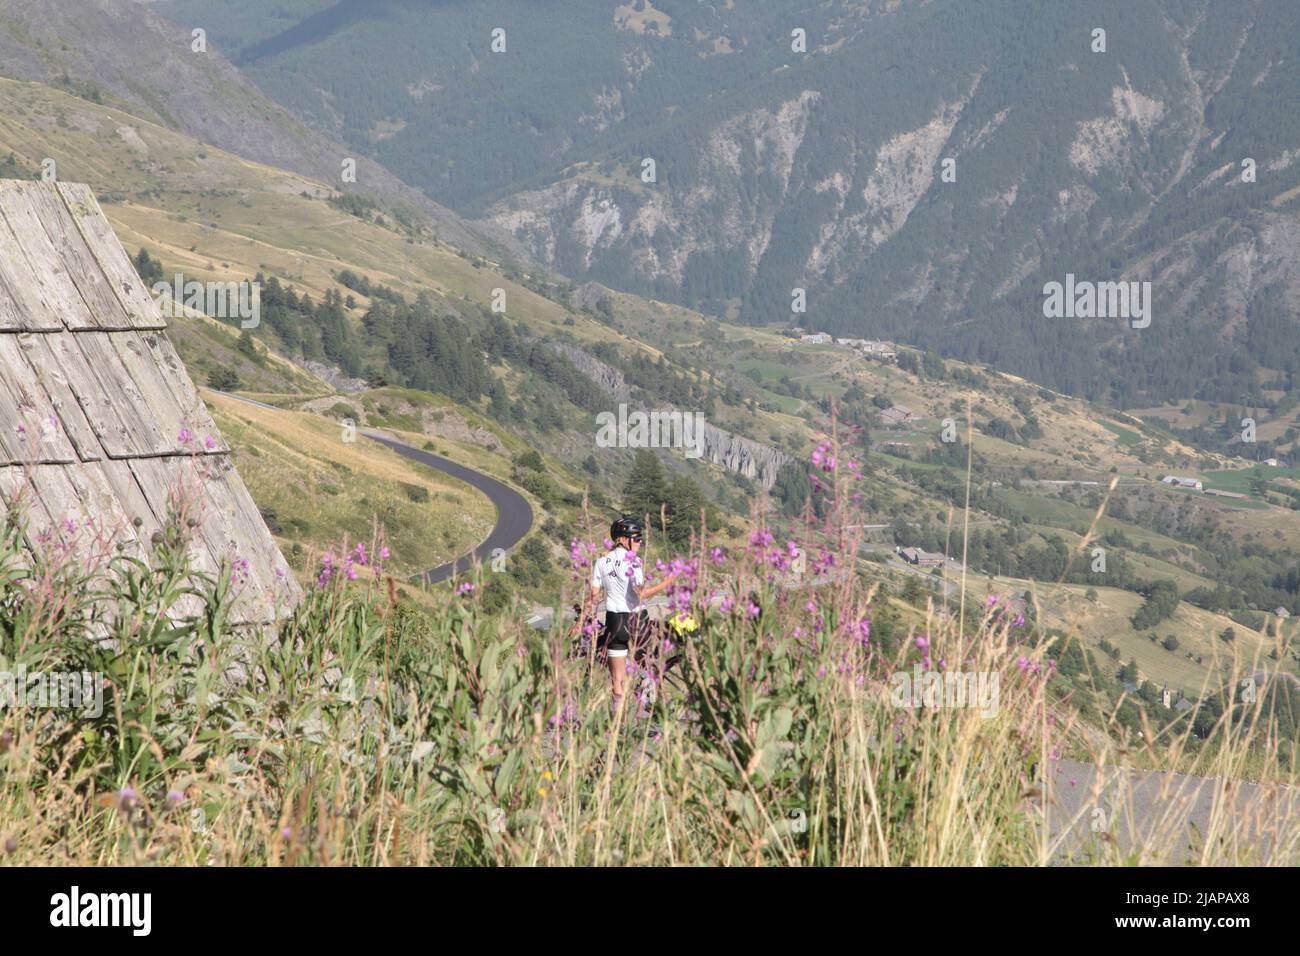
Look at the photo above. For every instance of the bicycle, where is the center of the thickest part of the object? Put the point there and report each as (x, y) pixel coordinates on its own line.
(654, 649)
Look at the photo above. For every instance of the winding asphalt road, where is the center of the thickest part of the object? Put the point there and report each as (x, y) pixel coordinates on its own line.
(514, 513)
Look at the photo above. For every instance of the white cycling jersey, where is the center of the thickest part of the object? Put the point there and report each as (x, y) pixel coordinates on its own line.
(619, 574)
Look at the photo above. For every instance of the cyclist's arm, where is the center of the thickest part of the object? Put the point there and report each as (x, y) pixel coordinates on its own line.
(656, 588)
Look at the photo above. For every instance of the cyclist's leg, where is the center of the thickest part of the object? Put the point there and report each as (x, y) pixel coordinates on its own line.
(616, 638)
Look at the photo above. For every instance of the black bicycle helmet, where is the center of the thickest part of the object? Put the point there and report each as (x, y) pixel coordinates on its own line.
(626, 527)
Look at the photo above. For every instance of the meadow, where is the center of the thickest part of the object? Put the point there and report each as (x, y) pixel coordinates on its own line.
(363, 730)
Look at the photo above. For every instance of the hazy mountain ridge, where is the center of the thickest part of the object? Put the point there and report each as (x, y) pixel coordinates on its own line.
(823, 170)
(1136, 179)
(145, 64)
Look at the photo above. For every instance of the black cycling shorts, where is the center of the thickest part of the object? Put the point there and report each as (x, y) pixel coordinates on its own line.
(619, 631)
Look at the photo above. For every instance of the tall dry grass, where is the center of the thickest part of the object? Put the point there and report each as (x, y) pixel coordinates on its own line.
(365, 732)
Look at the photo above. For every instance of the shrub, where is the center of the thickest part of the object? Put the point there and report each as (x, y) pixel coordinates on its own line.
(224, 379)
(272, 519)
(416, 493)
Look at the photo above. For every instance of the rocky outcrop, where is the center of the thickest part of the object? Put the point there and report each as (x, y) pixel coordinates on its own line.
(588, 296)
(606, 376)
(334, 376)
(744, 456)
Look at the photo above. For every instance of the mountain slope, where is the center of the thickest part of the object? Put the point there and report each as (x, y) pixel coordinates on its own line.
(214, 216)
(1121, 166)
(147, 65)
(778, 170)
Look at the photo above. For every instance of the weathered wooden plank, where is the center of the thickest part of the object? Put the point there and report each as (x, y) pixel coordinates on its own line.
(112, 385)
(13, 439)
(49, 274)
(87, 275)
(99, 407)
(117, 479)
(231, 539)
(102, 497)
(27, 415)
(10, 319)
(266, 560)
(161, 405)
(52, 375)
(112, 258)
(187, 396)
(92, 518)
(11, 314)
(18, 293)
(18, 493)
(172, 487)
(222, 539)
(68, 515)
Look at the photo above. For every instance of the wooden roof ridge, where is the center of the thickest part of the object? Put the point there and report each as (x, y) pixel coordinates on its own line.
(102, 432)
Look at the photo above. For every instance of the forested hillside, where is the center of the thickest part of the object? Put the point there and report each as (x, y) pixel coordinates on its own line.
(824, 170)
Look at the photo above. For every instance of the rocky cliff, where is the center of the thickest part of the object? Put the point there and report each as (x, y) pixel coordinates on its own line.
(606, 376)
(735, 453)
(750, 458)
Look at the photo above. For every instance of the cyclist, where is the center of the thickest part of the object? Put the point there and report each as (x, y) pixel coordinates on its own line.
(619, 576)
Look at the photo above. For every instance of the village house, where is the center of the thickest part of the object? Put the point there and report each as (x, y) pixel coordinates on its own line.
(896, 415)
(1216, 493)
(924, 559)
(1193, 483)
(815, 338)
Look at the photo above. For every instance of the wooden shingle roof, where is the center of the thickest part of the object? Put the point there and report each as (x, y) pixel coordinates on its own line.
(102, 433)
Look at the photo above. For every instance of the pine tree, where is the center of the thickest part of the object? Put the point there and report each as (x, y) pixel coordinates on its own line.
(646, 488)
(149, 268)
(247, 345)
(499, 404)
(685, 501)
